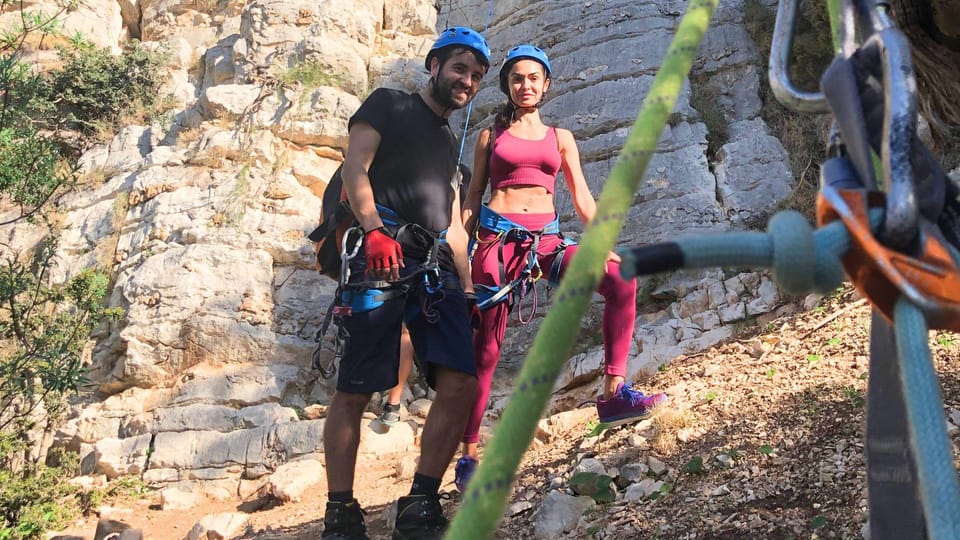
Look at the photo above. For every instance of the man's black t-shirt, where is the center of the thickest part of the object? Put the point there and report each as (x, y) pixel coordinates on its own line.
(412, 170)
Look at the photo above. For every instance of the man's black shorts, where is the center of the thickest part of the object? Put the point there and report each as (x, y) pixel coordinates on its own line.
(439, 326)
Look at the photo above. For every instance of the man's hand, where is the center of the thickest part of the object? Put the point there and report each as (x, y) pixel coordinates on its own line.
(473, 310)
(384, 256)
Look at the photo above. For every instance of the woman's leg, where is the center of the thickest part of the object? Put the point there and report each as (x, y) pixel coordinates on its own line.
(493, 323)
(619, 320)
(486, 350)
(406, 365)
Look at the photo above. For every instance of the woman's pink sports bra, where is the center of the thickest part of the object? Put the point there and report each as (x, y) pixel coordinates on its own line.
(522, 162)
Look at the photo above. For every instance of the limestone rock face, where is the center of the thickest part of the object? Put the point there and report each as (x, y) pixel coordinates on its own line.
(201, 218)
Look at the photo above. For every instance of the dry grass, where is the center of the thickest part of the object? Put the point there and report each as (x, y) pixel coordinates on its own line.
(669, 422)
(36, 41)
(186, 136)
(96, 176)
(703, 98)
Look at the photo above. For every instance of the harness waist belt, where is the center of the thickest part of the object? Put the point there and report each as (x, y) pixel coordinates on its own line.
(495, 222)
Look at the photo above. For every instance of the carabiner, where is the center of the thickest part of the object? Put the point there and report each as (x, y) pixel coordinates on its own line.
(900, 226)
(431, 281)
(326, 369)
(779, 71)
(345, 257)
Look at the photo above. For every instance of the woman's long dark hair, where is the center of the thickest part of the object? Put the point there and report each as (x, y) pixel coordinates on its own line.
(505, 116)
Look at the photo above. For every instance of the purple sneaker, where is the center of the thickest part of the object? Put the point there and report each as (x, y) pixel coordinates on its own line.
(627, 405)
(464, 469)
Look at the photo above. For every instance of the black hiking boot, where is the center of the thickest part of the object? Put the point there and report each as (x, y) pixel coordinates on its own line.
(344, 521)
(419, 517)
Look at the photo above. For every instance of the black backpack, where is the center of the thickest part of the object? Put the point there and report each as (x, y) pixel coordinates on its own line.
(335, 218)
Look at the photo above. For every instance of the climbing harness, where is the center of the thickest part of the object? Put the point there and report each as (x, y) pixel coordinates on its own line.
(514, 291)
(353, 297)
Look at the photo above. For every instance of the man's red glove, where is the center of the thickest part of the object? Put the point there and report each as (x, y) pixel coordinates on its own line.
(383, 252)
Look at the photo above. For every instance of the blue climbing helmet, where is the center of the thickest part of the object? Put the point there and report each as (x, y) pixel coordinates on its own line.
(463, 37)
(520, 52)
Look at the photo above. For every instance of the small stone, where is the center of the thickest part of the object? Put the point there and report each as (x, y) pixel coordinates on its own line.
(518, 508)
(315, 412)
(406, 467)
(657, 467)
(420, 408)
(720, 491)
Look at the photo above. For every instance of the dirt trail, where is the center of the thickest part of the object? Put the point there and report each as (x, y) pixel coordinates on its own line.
(762, 439)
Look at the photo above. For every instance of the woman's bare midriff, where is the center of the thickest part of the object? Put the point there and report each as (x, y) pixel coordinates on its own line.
(521, 200)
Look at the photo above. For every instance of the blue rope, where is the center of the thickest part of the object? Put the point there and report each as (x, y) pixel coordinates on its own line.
(803, 260)
(466, 122)
(939, 487)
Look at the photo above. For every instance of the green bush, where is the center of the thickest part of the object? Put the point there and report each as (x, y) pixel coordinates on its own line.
(37, 499)
(45, 326)
(43, 333)
(29, 163)
(95, 89)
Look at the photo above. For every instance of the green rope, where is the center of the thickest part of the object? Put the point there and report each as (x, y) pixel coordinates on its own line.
(487, 494)
(834, 8)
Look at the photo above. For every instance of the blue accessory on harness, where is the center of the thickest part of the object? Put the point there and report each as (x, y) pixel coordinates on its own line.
(363, 300)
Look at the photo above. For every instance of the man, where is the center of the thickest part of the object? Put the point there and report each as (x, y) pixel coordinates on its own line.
(398, 174)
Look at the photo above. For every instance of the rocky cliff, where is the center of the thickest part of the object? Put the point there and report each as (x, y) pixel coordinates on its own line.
(202, 217)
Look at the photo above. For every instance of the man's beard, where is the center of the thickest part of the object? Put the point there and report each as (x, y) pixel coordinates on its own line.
(442, 92)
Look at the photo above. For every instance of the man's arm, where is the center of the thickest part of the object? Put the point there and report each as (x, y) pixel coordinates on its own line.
(364, 141)
(478, 184)
(383, 254)
(457, 239)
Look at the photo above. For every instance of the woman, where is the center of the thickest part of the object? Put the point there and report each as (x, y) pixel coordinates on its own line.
(521, 156)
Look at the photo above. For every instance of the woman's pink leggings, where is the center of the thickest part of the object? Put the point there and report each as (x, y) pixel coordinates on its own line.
(619, 312)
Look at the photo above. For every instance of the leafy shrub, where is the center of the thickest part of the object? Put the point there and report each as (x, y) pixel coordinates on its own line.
(45, 326)
(29, 163)
(37, 499)
(44, 331)
(95, 88)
